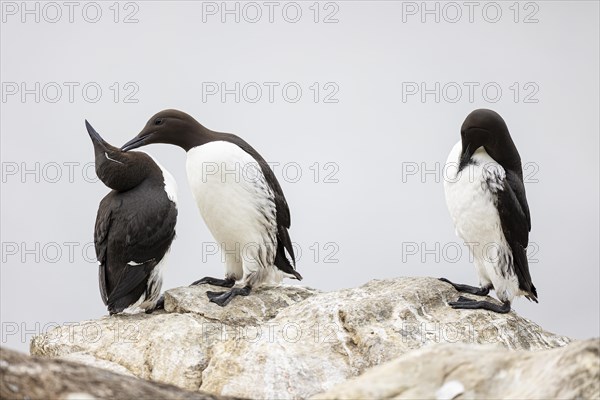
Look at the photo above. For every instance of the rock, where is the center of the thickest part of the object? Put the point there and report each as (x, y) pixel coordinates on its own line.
(26, 377)
(171, 347)
(86, 359)
(262, 305)
(447, 371)
(331, 337)
(287, 341)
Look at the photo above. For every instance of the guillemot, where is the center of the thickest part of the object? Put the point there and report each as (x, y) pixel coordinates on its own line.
(239, 199)
(135, 226)
(487, 202)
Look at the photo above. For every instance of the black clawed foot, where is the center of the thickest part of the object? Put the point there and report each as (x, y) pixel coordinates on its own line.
(227, 282)
(463, 299)
(160, 305)
(478, 291)
(468, 304)
(223, 298)
(210, 294)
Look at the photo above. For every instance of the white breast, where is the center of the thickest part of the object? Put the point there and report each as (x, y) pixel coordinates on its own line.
(471, 199)
(170, 182)
(235, 201)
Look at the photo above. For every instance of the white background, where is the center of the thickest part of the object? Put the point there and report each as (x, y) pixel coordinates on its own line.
(376, 216)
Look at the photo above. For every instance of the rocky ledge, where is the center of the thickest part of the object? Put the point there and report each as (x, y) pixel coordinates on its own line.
(24, 377)
(448, 371)
(294, 342)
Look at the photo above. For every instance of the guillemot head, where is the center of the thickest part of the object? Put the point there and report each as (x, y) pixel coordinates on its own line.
(486, 128)
(116, 169)
(170, 127)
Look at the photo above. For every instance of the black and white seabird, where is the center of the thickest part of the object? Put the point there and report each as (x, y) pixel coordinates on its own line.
(486, 198)
(135, 226)
(239, 199)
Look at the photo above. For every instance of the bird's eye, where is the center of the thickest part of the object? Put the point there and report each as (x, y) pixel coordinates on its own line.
(158, 121)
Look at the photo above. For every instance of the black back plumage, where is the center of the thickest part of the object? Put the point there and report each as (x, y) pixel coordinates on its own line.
(516, 225)
(487, 128)
(135, 224)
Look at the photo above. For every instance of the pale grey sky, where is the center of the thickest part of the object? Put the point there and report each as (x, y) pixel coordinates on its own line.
(357, 112)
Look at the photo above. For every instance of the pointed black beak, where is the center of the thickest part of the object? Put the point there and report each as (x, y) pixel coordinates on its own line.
(95, 136)
(134, 143)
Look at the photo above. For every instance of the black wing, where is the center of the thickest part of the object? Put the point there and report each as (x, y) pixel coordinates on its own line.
(284, 242)
(122, 237)
(516, 225)
(101, 229)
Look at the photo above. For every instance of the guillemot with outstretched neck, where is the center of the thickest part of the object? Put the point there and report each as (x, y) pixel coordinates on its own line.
(487, 202)
(135, 226)
(238, 197)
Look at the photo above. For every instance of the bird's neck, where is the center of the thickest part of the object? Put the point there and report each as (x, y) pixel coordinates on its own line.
(197, 135)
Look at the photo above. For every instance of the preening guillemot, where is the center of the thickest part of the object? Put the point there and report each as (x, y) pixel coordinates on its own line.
(486, 199)
(135, 226)
(238, 197)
